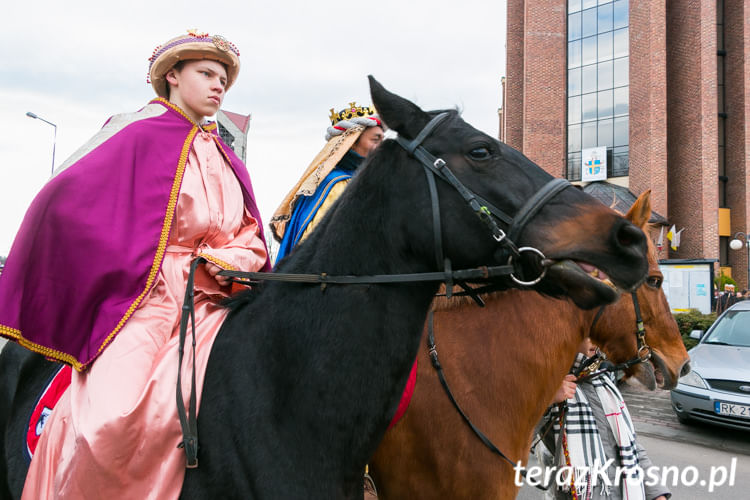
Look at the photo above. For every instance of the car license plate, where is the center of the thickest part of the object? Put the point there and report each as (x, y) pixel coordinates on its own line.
(733, 409)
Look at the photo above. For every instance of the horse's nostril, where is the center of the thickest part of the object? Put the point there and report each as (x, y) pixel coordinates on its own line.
(628, 235)
(685, 369)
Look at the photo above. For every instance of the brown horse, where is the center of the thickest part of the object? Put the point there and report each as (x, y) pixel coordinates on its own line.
(504, 363)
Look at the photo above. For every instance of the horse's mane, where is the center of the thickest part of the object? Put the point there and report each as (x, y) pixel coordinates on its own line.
(374, 167)
(443, 303)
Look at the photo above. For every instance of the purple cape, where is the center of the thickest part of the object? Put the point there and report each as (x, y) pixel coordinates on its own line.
(91, 244)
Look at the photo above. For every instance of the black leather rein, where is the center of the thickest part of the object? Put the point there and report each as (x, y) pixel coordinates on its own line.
(643, 354)
(433, 167)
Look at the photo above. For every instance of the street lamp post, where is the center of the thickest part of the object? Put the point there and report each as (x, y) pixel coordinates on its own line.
(54, 140)
(737, 243)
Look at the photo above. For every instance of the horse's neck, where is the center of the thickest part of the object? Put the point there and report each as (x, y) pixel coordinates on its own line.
(342, 352)
(363, 233)
(534, 348)
(504, 363)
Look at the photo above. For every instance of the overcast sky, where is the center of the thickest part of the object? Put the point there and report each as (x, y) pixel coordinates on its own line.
(75, 63)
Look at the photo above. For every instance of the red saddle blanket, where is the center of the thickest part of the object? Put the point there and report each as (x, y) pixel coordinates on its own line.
(44, 405)
(406, 396)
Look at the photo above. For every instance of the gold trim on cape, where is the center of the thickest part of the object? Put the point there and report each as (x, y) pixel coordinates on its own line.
(155, 265)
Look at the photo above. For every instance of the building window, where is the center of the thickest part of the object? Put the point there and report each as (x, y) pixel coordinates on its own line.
(598, 83)
(226, 136)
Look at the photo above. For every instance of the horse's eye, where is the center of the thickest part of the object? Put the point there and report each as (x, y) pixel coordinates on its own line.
(480, 153)
(654, 282)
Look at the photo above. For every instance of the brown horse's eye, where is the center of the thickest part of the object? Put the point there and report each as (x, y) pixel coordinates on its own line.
(479, 153)
(654, 282)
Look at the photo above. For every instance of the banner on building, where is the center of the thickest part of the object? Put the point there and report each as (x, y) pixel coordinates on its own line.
(594, 164)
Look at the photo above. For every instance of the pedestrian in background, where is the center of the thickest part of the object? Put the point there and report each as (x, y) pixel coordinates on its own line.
(589, 423)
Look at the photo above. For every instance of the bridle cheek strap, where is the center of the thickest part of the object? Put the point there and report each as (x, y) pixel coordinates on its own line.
(643, 350)
(488, 214)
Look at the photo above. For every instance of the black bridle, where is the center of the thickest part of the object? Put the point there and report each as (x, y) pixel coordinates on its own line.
(433, 167)
(487, 213)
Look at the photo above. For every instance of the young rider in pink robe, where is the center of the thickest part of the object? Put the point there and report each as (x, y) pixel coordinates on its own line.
(114, 433)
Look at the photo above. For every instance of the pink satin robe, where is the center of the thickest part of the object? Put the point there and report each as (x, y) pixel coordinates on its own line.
(114, 433)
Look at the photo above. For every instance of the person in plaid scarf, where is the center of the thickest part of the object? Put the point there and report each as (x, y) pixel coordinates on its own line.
(588, 432)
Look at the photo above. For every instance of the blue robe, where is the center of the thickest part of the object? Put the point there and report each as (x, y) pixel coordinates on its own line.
(307, 206)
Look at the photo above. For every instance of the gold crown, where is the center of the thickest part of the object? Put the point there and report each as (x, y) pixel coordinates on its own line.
(352, 111)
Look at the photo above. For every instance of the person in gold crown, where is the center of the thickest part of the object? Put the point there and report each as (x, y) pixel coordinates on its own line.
(354, 132)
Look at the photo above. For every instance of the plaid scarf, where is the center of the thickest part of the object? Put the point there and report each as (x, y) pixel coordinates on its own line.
(580, 446)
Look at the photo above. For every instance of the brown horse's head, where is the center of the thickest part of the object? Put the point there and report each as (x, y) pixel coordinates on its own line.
(615, 332)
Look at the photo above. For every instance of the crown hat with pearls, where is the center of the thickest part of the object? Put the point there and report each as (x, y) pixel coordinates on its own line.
(194, 45)
(352, 116)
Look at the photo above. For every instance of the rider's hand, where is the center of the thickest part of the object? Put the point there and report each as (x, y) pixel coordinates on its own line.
(213, 270)
(567, 389)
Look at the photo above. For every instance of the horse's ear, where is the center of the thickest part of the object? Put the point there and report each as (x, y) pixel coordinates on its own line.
(398, 113)
(640, 212)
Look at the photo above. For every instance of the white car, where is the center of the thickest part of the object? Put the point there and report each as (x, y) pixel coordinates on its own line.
(717, 389)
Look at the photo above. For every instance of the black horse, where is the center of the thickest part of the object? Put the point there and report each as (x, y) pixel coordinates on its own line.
(303, 380)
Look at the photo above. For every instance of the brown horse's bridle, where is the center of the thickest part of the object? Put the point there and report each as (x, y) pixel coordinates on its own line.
(643, 350)
(595, 364)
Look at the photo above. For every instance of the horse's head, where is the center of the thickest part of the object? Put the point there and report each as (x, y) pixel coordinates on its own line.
(583, 241)
(615, 332)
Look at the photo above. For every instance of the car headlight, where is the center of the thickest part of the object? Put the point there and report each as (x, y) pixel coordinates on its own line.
(694, 380)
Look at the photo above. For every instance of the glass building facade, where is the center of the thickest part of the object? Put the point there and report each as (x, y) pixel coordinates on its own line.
(598, 57)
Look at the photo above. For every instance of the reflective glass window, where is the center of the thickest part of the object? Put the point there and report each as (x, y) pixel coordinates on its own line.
(574, 109)
(621, 71)
(620, 14)
(605, 46)
(574, 166)
(621, 43)
(574, 81)
(621, 101)
(574, 26)
(574, 54)
(605, 75)
(620, 161)
(574, 138)
(605, 107)
(589, 50)
(604, 18)
(621, 131)
(588, 107)
(605, 133)
(588, 22)
(588, 135)
(598, 82)
(588, 79)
